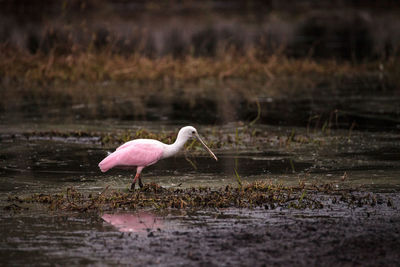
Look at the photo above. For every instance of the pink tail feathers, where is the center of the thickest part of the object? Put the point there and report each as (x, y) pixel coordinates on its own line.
(107, 163)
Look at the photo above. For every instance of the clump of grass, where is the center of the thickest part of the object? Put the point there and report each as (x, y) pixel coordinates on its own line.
(257, 194)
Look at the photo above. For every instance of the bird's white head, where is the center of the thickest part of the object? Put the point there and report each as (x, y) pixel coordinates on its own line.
(188, 132)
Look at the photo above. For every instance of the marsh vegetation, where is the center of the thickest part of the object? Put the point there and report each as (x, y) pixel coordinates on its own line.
(298, 100)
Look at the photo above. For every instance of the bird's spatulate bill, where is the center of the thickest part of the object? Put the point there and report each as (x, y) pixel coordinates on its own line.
(209, 150)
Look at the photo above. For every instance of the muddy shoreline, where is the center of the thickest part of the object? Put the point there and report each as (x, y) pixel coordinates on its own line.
(332, 236)
(46, 159)
(344, 227)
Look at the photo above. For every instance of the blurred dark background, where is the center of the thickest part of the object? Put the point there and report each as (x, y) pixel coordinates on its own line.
(339, 61)
(348, 30)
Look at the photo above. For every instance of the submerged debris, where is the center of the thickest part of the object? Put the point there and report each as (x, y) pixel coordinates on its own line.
(257, 194)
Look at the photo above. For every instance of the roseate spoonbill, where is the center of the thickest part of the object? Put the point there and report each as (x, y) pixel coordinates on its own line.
(141, 153)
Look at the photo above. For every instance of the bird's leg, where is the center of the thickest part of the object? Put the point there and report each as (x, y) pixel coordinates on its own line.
(133, 186)
(140, 182)
(137, 176)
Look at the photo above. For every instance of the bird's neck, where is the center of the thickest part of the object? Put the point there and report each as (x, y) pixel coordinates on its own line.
(174, 148)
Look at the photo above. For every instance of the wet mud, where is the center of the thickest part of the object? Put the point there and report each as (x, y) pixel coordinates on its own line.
(335, 235)
(332, 199)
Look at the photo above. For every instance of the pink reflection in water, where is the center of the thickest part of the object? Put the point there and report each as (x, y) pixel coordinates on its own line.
(137, 222)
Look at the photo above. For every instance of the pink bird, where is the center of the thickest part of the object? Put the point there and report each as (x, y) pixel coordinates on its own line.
(141, 153)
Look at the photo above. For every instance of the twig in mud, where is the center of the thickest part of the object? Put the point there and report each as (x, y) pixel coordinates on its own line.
(258, 113)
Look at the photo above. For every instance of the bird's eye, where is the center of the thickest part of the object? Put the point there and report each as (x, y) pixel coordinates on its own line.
(193, 132)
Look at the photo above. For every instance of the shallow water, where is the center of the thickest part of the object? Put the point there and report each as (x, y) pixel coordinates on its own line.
(40, 165)
(52, 163)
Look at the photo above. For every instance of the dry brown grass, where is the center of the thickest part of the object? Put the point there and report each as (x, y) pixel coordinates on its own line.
(105, 78)
(104, 66)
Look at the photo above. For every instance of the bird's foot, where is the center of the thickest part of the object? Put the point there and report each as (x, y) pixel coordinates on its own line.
(133, 186)
(140, 183)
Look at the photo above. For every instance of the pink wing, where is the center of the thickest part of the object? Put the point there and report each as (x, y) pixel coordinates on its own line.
(125, 145)
(134, 154)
